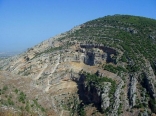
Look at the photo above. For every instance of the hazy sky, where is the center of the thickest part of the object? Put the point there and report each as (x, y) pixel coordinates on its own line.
(25, 23)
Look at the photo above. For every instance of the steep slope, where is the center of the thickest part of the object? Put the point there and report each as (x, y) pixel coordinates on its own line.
(106, 66)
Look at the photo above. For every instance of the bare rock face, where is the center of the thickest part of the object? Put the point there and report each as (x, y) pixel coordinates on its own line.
(150, 80)
(132, 90)
(117, 99)
(105, 100)
(97, 54)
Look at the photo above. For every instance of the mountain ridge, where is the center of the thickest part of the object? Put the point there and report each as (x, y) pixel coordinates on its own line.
(111, 59)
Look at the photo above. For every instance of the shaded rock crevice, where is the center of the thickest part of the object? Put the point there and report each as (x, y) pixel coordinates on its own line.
(98, 92)
(93, 57)
(88, 94)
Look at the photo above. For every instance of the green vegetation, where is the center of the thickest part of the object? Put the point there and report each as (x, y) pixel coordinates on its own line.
(133, 68)
(18, 100)
(93, 79)
(22, 97)
(5, 88)
(38, 106)
(73, 105)
(114, 69)
(120, 110)
(98, 81)
(52, 49)
(81, 110)
(153, 105)
(134, 36)
(16, 91)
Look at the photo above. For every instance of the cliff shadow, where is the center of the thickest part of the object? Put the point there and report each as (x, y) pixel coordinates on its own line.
(88, 94)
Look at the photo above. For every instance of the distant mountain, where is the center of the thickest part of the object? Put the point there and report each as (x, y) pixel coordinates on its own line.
(8, 54)
(106, 66)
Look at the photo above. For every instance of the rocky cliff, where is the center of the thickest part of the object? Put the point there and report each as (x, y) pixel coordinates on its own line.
(103, 67)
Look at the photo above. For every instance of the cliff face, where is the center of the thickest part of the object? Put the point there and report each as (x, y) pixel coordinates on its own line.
(102, 67)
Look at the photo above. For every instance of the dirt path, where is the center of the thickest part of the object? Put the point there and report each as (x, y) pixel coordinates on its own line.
(53, 70)
(38, 76)
(61, 113)
(57, 63)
